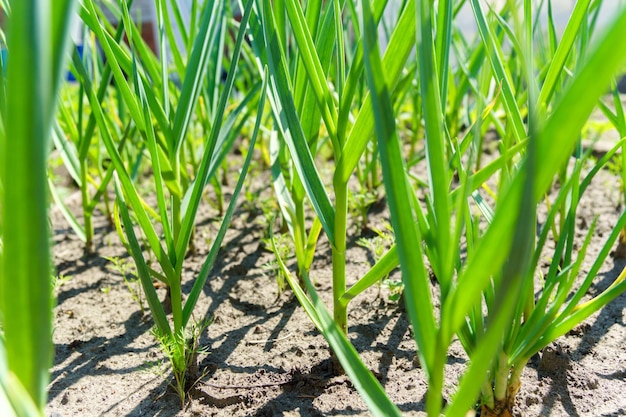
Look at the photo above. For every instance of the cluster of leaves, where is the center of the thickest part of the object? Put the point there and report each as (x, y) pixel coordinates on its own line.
(143, 125)
(488, 286)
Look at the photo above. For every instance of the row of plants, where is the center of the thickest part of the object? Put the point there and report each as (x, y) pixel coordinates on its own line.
(144, 135)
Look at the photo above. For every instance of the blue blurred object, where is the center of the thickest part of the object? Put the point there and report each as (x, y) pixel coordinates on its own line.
(4, 55)
(70, 76)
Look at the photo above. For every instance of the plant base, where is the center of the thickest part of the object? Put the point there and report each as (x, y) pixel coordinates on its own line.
(501, 410)
(620, 250)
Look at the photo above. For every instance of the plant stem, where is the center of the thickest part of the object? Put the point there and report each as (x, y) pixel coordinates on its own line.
(299, 238)
(87, 211)
(435, 380)
(339, 256)
(502, 377)
(515, 381)
(488, 398)
(25, 287)
(176, 201)
(176, 299)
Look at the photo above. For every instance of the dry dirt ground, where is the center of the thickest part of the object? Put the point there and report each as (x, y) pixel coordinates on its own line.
(265, 358)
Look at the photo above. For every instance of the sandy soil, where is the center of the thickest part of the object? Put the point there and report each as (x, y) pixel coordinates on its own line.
(265, 358)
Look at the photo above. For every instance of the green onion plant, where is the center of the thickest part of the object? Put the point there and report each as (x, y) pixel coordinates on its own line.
(311, 81)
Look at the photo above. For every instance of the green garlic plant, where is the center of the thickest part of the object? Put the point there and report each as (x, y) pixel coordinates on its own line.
(617, 118)
(467, 218)
(479, 288)
(487, 297)
(178, 181)
(301, 97)
(37, 42)
(76, 137)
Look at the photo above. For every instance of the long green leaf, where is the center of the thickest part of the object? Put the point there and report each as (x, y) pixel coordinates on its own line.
(37, 41)
(203, 275)
(129, 188)
(366, 384)
(562, 51)
(156, 168)
(558, 137)
(143, 271)
(285, 114)
(196, 71)
(398, 51)
(355, 73)
(435, 144)
(408, 239)
(90, 18)
(495, 57)
(203, 171)
(61, 22)
(313, 67)
(387, 263)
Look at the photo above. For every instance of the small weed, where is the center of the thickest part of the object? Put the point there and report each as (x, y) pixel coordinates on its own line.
(59, 280)
(183, 356)
(260, 209)
(380, 243)
(124, 268)
(395, 288)
(378, 246)
(284, 250)
(359, 204)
